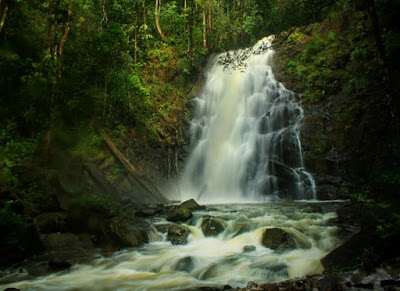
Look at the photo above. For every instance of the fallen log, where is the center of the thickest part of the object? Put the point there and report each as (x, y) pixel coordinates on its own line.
(149, 186)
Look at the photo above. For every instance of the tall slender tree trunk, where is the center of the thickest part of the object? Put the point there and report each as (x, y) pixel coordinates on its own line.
(64, 37)
(204, 29)
(136, 32)
(144, 12)
(209, 24)
(55, 35)
(184, 16)
(157, 13)
(104, 19)
(47, 42)
(3, 17)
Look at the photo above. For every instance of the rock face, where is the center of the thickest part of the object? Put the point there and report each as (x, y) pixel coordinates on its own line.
(178, 234)
(343, 136)
(212, 226)
(278, 239)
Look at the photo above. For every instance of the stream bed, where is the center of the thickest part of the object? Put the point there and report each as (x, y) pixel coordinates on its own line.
(234, 256)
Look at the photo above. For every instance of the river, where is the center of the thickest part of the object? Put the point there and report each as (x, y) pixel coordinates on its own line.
(233, 257)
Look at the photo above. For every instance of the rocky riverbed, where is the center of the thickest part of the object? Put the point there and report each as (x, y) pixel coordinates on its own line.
(275, 246)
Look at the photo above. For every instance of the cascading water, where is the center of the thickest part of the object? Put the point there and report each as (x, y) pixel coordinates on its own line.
(232, 257)
(245, 134)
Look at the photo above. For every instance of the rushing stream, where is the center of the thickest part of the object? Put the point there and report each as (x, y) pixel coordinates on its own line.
(235, 256)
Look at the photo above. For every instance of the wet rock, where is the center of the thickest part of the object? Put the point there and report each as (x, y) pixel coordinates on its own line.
(249, 249)
(251, 285)
(125, 233)
(212, 226)
(52, 222)
(278, 239)
(65, 241)
(179, 214)
(147, 212)
(58, 263)
(162, 227)
(178, 234)
(185, 264)
(191, 204)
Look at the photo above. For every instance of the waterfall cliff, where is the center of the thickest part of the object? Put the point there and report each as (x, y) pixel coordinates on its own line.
(245, 133)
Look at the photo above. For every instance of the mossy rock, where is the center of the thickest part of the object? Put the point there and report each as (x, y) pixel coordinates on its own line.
(212, 226)
(191, 204)
(179, 214)
(278, 239)
(178, 234)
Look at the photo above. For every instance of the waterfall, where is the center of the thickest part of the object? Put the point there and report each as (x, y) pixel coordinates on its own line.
(245, 133)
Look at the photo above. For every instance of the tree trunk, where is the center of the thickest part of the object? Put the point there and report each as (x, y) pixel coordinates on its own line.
(204, 29)
(136, 32)
(209, 15)
(3, 17)
(47, 43)
(64, 38)
(55, 36)
(131, 169)
(144, 12)
(157, 11)
(185, 16)
(104, 19)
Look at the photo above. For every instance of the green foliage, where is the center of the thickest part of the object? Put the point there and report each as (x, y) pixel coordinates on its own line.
(93, 201)
(368, 259)
(35, 196)
(319, 145)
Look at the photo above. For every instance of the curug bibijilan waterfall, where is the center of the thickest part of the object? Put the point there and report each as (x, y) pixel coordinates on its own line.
(245, 133)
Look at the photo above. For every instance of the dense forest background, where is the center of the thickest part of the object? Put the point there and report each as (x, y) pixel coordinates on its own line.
(71, 69)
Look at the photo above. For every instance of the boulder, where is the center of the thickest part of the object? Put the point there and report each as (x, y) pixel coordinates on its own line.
(185, 264)
(145, 212)
(58, 263)
(278, 239)
(51, 222)
(212, 226)
(191, 204)
(249, 249)
(66, 241)
(123, 233)
(179, 214)
(178, 234)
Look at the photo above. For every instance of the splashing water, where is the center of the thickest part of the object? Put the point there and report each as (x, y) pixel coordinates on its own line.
(235, 256)
(245, 134)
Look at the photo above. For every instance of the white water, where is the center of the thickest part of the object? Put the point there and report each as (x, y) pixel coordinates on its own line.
(205, 261)
(245, 134)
